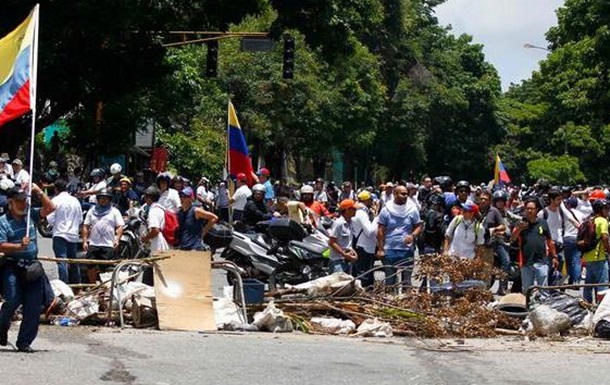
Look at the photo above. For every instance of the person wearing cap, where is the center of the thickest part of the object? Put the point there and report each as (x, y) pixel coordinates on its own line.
(398, 227)
(342, 253)
(412, 189)
(240, 196)
(203, 194)
(319, 193)
(364, 231)
(21, 176)
(6, 169)
(125, 197)
(66, 221)
(155, 220)
(195, 222)
(263, 178)
(465, 235)
(596, 259)
(256, 210)
(536, 247)
(102, 231)
(387, 194)
(347, 192)
(18, 243)
(51, 175)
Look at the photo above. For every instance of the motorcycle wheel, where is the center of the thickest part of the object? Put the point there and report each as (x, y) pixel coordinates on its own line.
(124, 251)
(284, 274)
(45, 229)
(239, 260)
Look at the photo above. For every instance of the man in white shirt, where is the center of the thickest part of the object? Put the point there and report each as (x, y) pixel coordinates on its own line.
(5, 168)
(156, 220)
(102, 232)
(66, 221)
(364, 232)
(240, 196)
(21, 177)
(98, 184)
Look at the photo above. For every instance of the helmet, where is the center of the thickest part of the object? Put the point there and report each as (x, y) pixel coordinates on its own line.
(104, 193)
(97, 172)
(364, 196)
(178, 179)
(6, 184)
(443, 181)
(597, 194)
(259, 188)
(598, 205)
(152, 191)
(306, 189)
(163, 177)
(435, 199)
(53, 164)
(462, 183)
(116, 168)
(499, 196)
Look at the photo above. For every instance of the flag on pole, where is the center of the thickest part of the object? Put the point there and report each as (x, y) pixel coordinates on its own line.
(500, 174)
(17, 72)
(238, 156)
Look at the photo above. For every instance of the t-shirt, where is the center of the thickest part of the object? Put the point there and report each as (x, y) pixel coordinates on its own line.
(12, 230)
(365, 230)
(103, 229)
(341, 231)
(570, 215)
(170, 200)
(465, 235)
(22, 177)
(320, 196)
(555, 222)
(493, 218)
(241, 196)
(66, 218)
(533, 242)
(190, 230)
(398, 226)
(598, 253)
(156, 219)
(269, 193)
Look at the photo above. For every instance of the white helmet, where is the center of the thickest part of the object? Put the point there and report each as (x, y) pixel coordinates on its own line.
(259, 188)
(6, 184)
(116, 168)
(306, 189)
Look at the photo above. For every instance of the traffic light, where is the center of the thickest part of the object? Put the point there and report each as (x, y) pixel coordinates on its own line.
(288, 68)
(211, 67)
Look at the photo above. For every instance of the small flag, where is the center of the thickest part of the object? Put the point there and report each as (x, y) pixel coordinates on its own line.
(238, 157)
(16, 70)
(500, 174)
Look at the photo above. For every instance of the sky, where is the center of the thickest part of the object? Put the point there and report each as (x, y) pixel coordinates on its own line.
(503, 27)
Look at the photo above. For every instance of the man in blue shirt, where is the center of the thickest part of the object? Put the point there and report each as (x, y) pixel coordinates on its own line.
(399, 225)
(194, 221)
(263, 178)
(20, 250)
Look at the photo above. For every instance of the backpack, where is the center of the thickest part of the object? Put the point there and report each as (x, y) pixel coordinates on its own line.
(586, 239)
(477, 227)
(170, 230)
(434, 228)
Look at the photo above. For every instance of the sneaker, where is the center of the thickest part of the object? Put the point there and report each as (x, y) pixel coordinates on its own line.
(25, 349)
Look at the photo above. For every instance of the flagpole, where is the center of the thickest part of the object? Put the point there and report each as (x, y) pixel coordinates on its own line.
(228, 161)
(33, 82)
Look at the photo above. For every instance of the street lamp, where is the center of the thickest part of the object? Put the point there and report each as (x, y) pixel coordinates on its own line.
(531, 46)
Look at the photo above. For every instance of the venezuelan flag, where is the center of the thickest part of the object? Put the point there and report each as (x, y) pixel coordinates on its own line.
(16, 63)
(500, 174)
(238, 157)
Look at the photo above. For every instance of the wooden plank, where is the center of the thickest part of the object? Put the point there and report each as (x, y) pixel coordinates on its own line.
(183, 290)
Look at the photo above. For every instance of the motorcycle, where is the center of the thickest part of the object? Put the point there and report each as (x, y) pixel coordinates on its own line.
(133, 230)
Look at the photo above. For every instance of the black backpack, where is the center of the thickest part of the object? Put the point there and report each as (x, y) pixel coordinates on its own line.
(434, 228)
(586, 239)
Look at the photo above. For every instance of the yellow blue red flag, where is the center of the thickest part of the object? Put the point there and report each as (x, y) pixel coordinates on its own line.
(17, 78)
(500, 174)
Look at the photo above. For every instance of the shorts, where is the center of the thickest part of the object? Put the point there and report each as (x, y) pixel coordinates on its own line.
(102, 253)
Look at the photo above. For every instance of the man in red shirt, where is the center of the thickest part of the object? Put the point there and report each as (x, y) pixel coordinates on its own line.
(317, 208)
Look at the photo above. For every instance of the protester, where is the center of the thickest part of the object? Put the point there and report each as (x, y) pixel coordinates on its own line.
(20, 251)
(240, 197)
(364, 233)
(156, 220)
(596, 260)
(21, 176)
(340, 239)
(465, 235)
(195, 222)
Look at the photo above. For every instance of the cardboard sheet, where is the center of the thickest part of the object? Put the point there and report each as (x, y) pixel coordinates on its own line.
(183, 289)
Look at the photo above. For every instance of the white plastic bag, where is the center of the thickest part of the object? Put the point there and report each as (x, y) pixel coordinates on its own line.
(61, 289)
(84, 307)
(374, 328)
(272, 319)
(226, 312)
(334, 325)
(332, 284)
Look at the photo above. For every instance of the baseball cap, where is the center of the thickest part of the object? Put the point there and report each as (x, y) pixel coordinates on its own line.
(347, 204)
(126, 179)
(364, 196)
(470, 206)
(389, 184)
(186, 192)
(16, 193)
(263, 171)
(17, 161)
(240, 176)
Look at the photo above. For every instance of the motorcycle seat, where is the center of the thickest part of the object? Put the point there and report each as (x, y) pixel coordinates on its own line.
(259, 239)
(315, 249)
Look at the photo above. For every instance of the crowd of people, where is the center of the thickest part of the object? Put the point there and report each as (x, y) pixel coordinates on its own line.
(534, 228)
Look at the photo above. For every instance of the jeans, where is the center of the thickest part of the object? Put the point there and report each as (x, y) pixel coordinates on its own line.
(18, 292)
(597, 272)
(504, 258)
(68, 273)
(538, 271)
(404, 259)
(339, 266)
(424, 283)
(573, 260)
(364, 263)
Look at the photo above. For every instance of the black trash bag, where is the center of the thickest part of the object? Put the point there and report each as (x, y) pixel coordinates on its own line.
(562, 303)
(602, 329)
